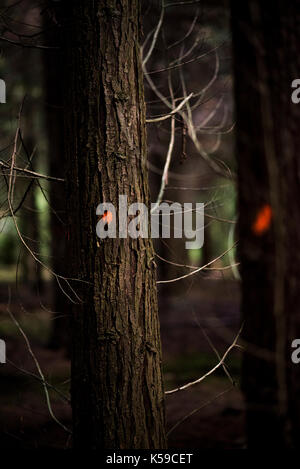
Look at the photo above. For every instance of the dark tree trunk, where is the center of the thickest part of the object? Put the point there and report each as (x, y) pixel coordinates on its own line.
(30, 213)
(60, 337)
(117, 391)
(265, 41)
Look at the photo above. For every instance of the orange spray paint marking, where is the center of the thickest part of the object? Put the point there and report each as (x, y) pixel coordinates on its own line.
(263, 220)
(107, 216)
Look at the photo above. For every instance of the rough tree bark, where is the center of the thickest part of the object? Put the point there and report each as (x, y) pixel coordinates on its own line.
(265, 42)
(117, 391)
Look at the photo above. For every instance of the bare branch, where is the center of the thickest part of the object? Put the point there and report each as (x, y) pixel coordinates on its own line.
(155, 36)
(196, 270)
(190, 414)
(31, 173)
(42, 377)
(22, 44)
(192, 383)
(167, 116)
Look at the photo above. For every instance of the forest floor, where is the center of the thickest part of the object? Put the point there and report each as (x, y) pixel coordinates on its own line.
(194, 328)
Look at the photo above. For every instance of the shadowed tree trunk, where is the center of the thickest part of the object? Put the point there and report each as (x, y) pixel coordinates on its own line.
(30, 214)
(52, 61)
(117, 391)
(265, 42)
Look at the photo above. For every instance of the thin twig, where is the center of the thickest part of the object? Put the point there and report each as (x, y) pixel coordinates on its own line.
(198, 269)
(31, 173)
(42, 377)
(192, 383)
(190, 414)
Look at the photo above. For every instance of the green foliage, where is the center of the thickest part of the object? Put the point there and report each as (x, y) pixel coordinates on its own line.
(220, 206)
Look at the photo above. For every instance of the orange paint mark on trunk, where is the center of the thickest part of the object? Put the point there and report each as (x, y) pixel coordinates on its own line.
(263, 220)
(107, 216)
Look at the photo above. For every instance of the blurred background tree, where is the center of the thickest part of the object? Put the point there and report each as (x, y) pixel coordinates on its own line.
(266, 63)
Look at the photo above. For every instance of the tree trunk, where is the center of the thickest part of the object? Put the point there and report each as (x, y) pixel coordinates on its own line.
(32, 271)
(117, 391)
(60, 337)
(265, 42)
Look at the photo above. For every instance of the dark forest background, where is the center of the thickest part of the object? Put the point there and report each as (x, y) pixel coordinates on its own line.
(200, 315)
